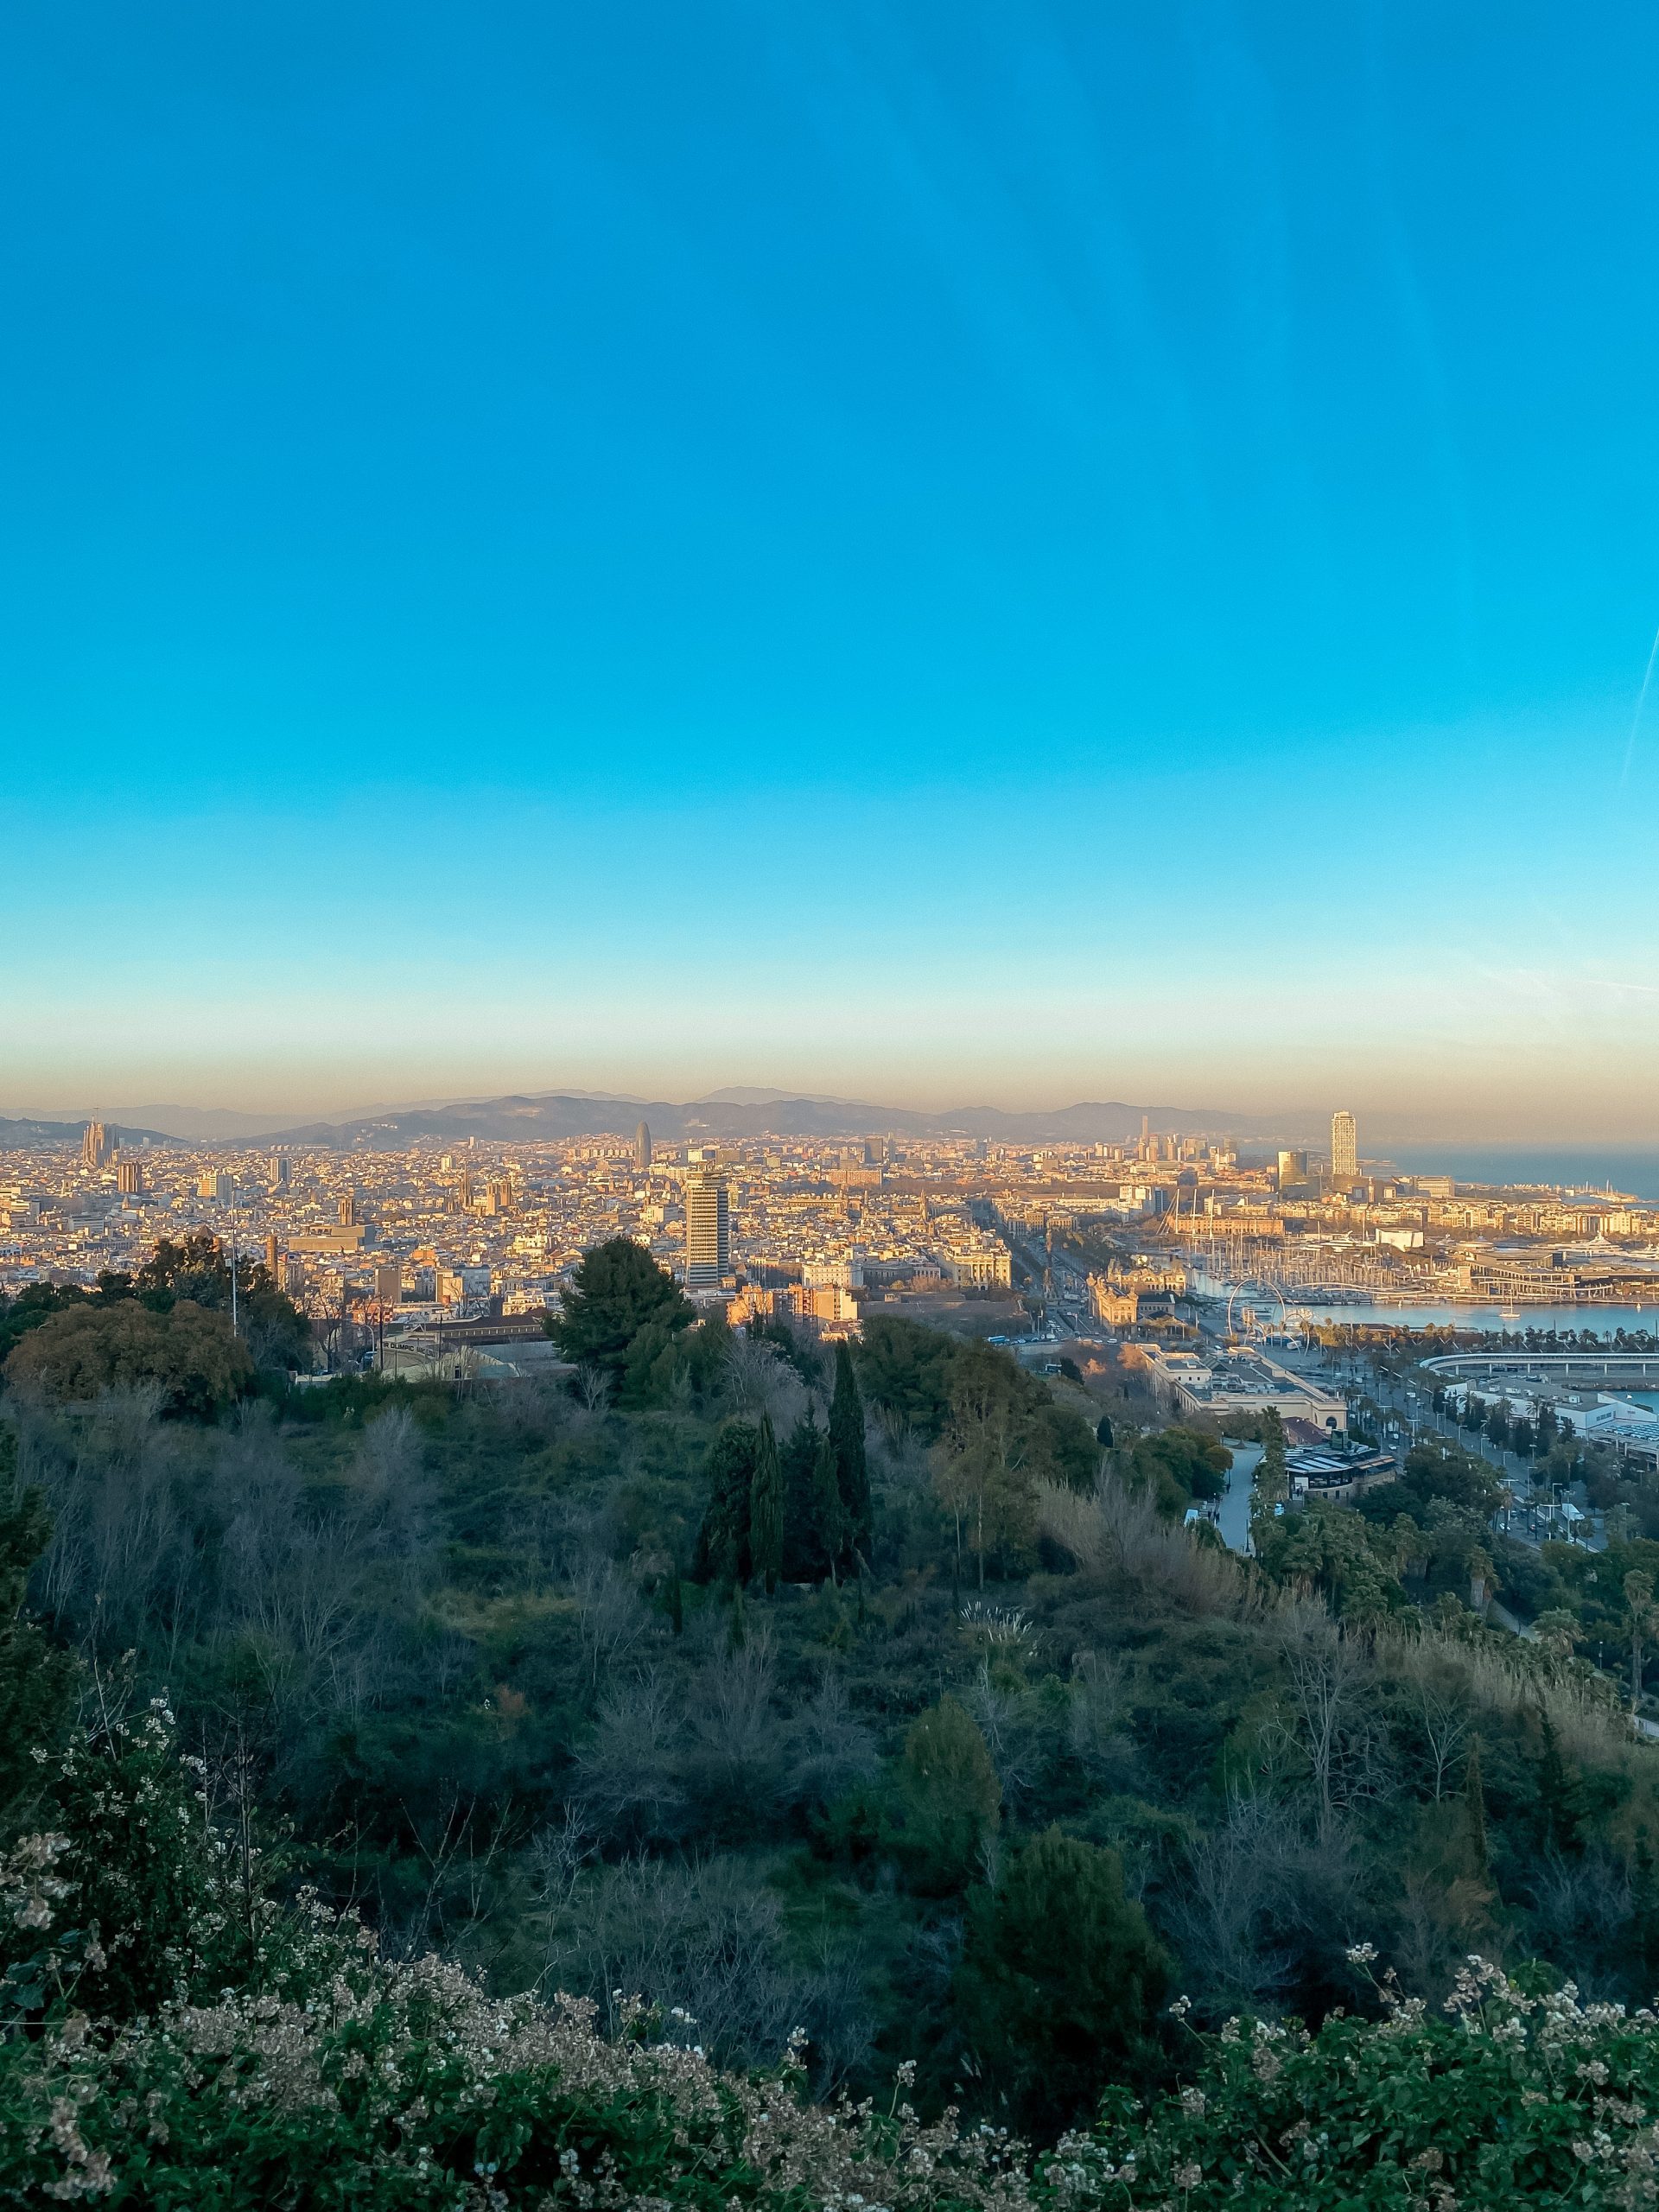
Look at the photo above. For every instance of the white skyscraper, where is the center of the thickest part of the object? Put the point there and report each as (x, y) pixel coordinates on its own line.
(707, 1230)
(1344, 1147)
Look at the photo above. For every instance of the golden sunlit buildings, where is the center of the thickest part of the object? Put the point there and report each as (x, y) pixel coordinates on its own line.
(708, 1229)
(1345, 1146)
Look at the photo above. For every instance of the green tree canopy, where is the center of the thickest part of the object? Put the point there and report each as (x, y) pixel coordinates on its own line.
(1440, 1471)
(195, 1268)
(949, 1798)
(803, 1557)
(188, 1353)
(827, 1536)
(618, 1291)
(908, 1371)
(34, 1303)
(1334, 1550)
(1060, 1980)
(274, 1330)
(1178, 1464)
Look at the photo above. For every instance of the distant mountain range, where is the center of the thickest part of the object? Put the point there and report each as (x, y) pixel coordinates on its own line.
(744, 1113)
(738, 1112)
(22, 1134)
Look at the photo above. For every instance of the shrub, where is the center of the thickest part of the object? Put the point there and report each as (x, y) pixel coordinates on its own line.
(1505, 2097)
(190, 1354)
(1059, 1978)
(950, 1799)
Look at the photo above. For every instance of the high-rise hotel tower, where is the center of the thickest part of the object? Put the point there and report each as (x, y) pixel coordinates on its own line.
(708, 1229)
(1344, 1147)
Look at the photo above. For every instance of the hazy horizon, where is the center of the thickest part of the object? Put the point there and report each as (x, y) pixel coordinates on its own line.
(1399, 1133)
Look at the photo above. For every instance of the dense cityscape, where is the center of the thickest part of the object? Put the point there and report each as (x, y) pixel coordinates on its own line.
(1220, 1282)
(399, 1239)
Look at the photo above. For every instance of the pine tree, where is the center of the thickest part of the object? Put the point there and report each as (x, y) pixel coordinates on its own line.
(852, 1468)
(766, 1508)
(676, 1599)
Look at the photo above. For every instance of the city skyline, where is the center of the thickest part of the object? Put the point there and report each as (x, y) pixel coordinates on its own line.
(192, 1122)
(1108, 563)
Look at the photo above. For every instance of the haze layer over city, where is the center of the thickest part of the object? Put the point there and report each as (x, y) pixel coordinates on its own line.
(829, 1177)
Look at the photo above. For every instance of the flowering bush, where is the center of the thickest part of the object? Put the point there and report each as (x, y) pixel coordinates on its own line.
(133, 1896)
(175, 2038)
(394, 2086)
(1504, 2097)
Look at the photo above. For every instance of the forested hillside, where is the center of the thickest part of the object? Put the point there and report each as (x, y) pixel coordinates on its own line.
(858, 1712)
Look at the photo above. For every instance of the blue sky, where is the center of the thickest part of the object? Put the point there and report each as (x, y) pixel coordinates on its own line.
(929, 550)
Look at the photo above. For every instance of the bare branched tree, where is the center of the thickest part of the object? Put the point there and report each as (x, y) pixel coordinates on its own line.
(737, 1753)
(593, 1387)
(759, 1379)
(830, 1750)
(631, 1771)
(706, 1944)
(1335, 1725)
(612, 1618)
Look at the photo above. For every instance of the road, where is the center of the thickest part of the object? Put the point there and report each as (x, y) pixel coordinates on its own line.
(1235, 1522)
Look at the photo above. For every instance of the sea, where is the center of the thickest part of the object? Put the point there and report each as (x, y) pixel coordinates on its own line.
(1635, 1171)
(1495, 1320)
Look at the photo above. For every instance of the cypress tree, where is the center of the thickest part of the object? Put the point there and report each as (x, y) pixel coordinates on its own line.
(829, 1518)
(766, 1508)
(800, 1457)
(723, 1546)
(852, 1470)
(737, 1622)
